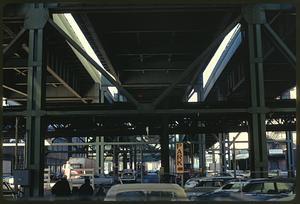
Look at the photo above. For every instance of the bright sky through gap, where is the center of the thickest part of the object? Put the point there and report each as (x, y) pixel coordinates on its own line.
(211, 65)
(86, 46)
(194, 97)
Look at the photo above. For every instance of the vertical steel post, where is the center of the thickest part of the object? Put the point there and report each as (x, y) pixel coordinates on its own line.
(70, 148)
(222, 153)
(255, 17)
(234, 159)
(164, 143)
(142, 164)
(202, 158)
(290, 154)
(17, 141)
(36, 19)
(228, 151)
(99, 167)
(125, 159)
(102, 155)
(134, 158)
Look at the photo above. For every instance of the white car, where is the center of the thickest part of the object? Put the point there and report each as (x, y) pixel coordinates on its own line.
(232, 186)
(146, 192)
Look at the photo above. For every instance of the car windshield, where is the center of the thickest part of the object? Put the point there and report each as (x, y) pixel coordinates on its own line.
(160, 195)
(131, 196)
(233, 186)
(76, 166)
(192, 182)
(211, 183)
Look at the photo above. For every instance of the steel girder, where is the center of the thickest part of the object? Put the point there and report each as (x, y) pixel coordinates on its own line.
(255, 17)
(280, 45)
(35, 124)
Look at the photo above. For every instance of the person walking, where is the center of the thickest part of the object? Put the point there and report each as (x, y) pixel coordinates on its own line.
(86, 189)
(61, 188)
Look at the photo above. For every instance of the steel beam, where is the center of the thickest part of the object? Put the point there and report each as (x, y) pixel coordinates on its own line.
(14, 43)
(95, 64)
(202, 156)
(65, 84)
(257, 127)
(60, 79)
(14, 90)
(96, 112)
(280, 45)
(102, 155)
(164, 143)
(290, 157)
(36, 89)
(222, 152)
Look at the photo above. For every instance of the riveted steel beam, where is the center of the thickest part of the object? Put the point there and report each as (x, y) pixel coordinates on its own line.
(36, 89)
(14, 43)
(280, 45)
(255, 17)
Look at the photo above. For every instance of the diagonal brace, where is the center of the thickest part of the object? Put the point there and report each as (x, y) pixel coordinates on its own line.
(282, 47)
(12, 45)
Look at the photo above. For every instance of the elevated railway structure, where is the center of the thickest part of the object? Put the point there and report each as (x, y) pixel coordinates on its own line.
(155, 56)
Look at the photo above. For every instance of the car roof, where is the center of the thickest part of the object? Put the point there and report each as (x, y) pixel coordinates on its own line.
(286, 180)
(147, 187)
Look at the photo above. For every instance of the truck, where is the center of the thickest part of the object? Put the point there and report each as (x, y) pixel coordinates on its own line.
(76, 166)
(77, 169)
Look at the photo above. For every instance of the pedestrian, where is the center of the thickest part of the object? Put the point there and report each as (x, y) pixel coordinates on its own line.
(86, 189)
(61, 188)
(75, 191)
(101, 193)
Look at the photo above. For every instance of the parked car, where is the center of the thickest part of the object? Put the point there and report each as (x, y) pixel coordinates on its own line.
(101, 180)
(146, 192)
(287, 198)
(254, 190)
(128, 175)
(232, 186)
(199, 186)
(223, 192)
(266, 189)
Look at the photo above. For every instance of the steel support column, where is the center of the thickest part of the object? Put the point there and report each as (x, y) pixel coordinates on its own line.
(255, 17)
(70, 148)
(222, 153)
(102, 155)
(36, 89)
(125, 159)
(202, 156)
(116, 161)
(228, 151)
(290, 154)
(164, 143)
(134, 158)
(97, 147)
